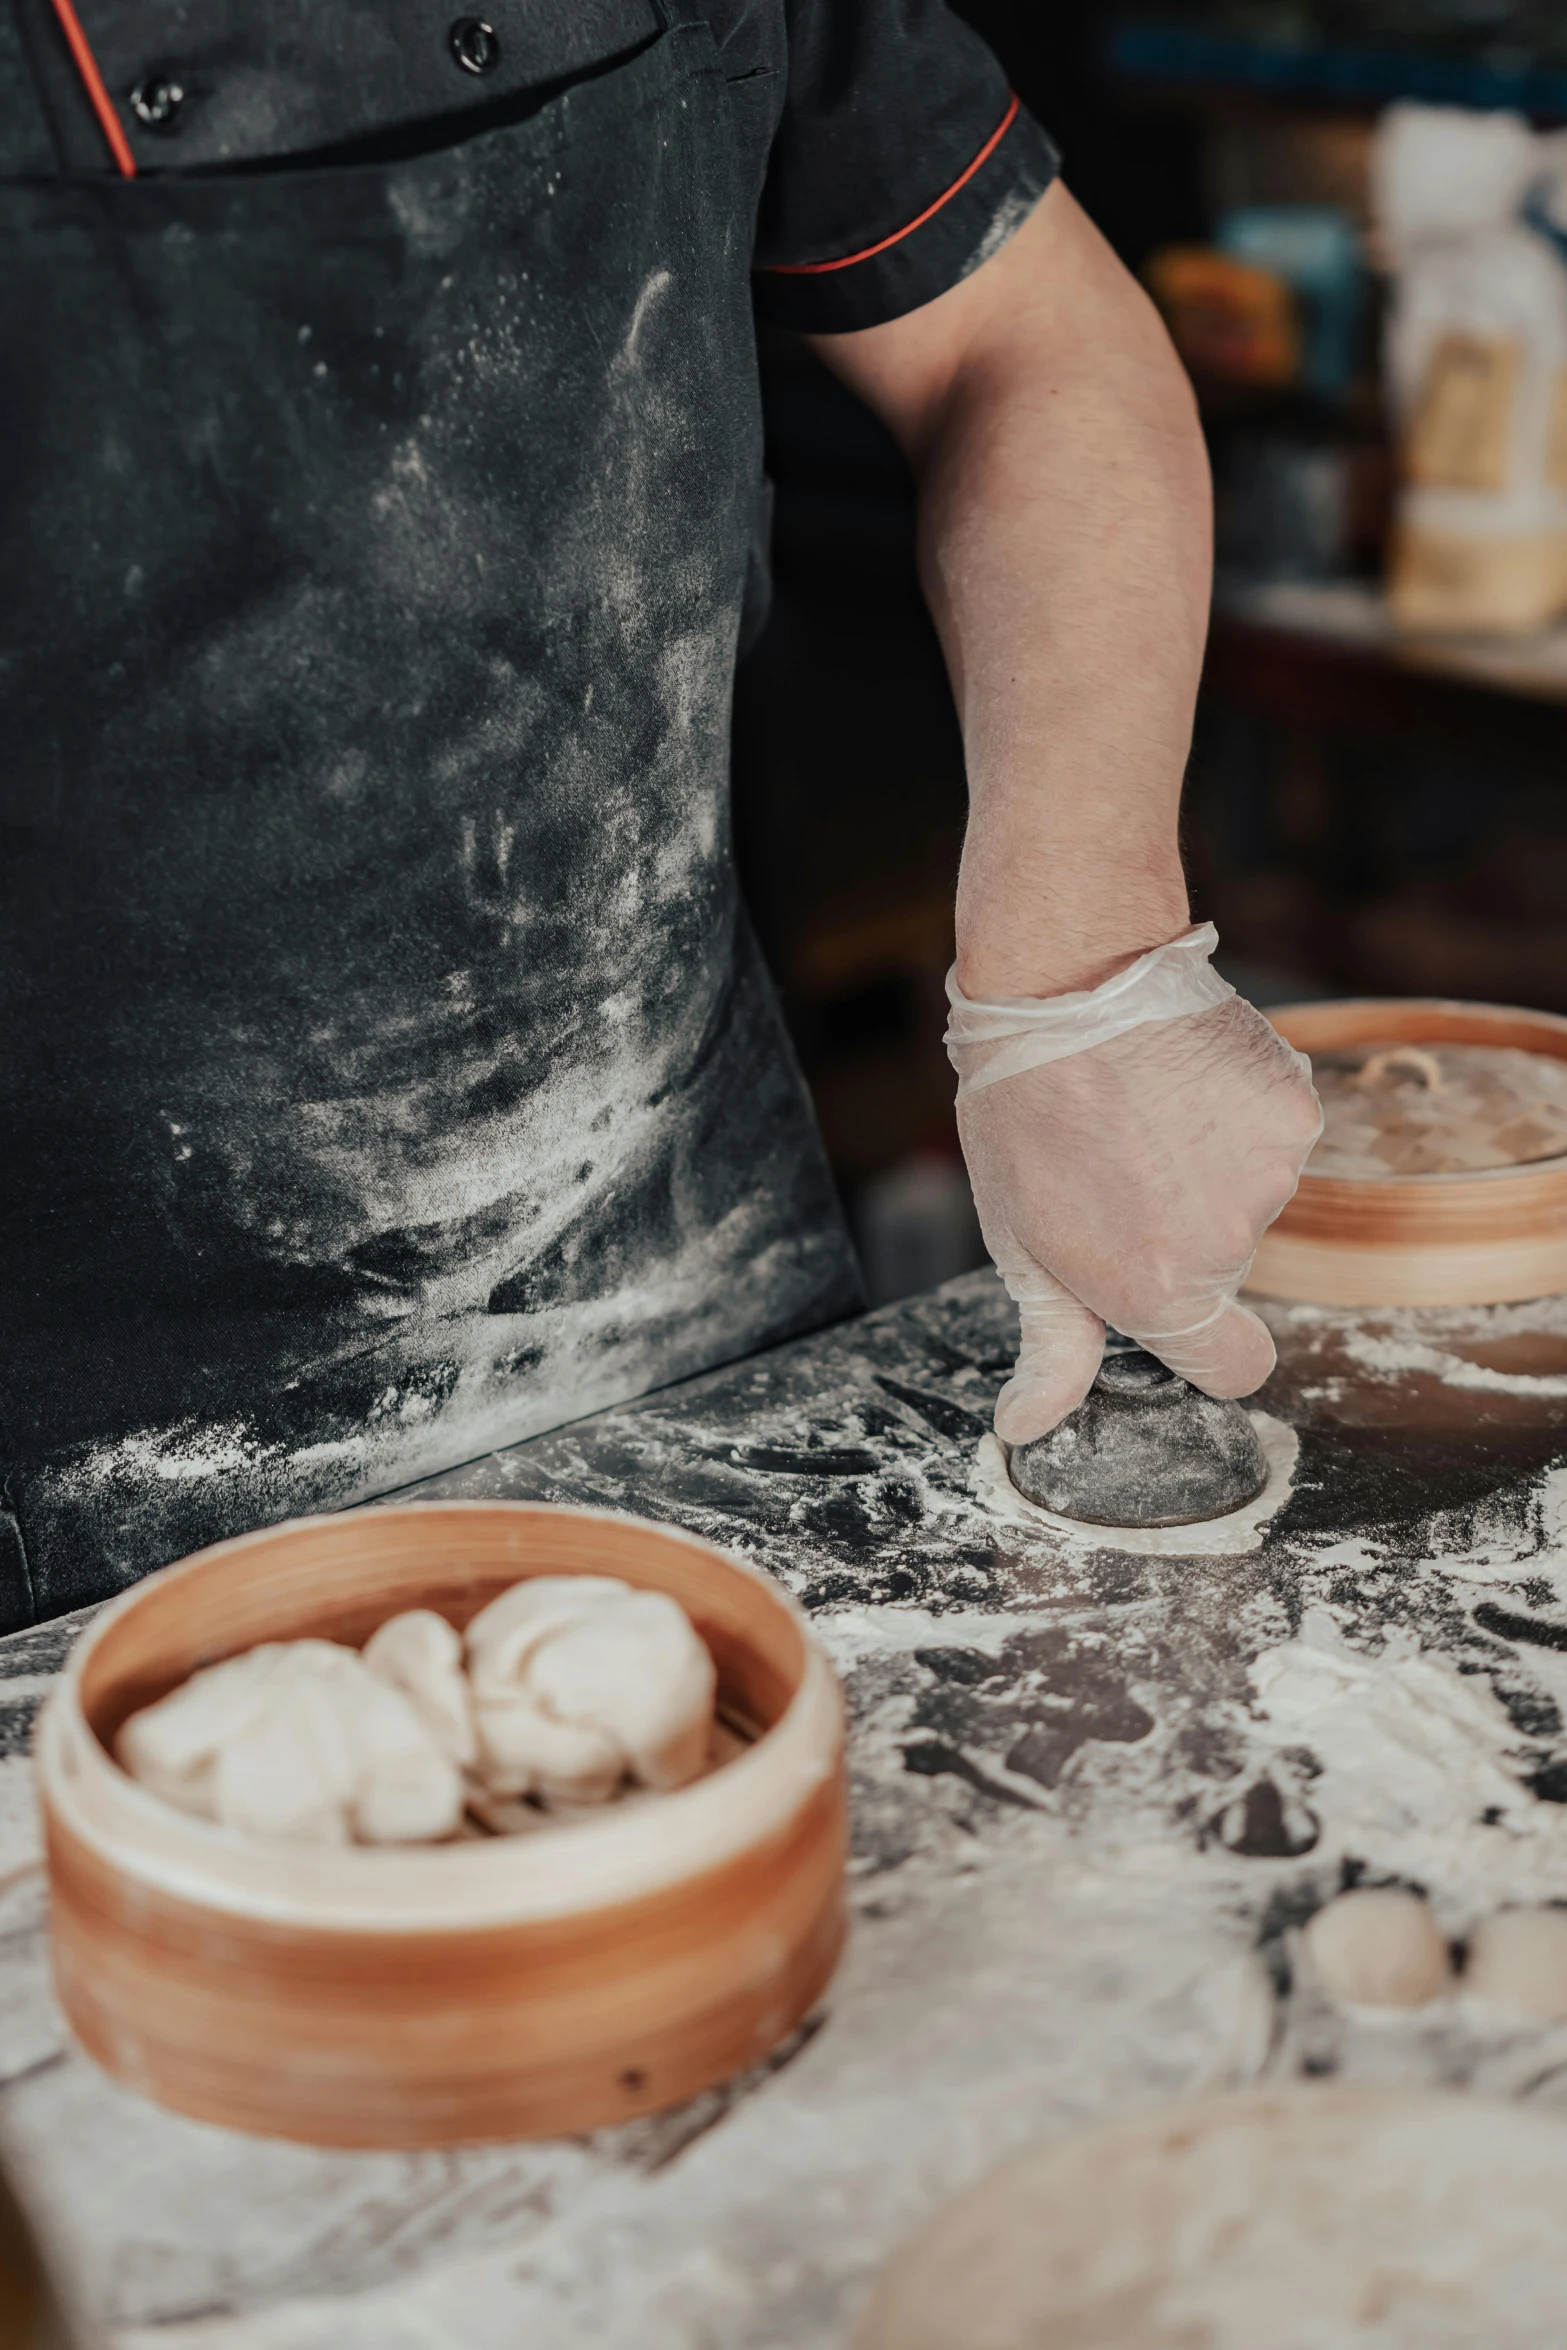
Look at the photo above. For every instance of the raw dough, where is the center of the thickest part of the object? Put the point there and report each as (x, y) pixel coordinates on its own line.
(639, 1671)
(575, 1683)
(1518, 1963)
(420, 1654)
(1378, 1946)
(579, 1680)
(1283, 2219)
(503, 1636)
(298, 1740)
(1445, 1109)
(522, 1751)
(172, 1746)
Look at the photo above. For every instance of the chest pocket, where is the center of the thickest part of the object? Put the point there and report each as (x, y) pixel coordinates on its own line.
(239, 84)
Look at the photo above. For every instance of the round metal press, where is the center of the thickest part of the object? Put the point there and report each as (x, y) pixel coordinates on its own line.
(1144, 1448)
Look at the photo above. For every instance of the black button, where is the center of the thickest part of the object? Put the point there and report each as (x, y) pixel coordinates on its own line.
(156, 101)
(475, 44)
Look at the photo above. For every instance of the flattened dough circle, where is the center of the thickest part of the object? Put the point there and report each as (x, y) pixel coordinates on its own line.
(1272, 2220)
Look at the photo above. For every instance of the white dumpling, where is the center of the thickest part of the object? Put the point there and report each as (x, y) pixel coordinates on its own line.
(409, 1791)
(523, 1750)
(575, 1683)
(641, 1672)
(580, 1681)
(503, 1636)
(420, 1654)
(294, 1770)
(309, 1746)
(171, 1746)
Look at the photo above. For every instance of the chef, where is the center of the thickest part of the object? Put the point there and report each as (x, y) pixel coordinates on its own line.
(386, 1069)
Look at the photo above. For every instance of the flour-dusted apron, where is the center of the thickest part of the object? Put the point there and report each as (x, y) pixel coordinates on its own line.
(386, 1072)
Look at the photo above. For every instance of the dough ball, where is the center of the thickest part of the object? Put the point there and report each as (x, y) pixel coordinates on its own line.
(1378, 1946)
(1518, 1963)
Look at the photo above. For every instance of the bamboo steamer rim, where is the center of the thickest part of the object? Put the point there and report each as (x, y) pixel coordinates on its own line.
(1547, 1033)
(1381, 1183)
(569, 1872)
(1477, 1236)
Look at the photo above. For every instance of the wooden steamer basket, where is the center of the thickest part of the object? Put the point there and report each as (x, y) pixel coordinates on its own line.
(1488, 1238)
(398, 1997)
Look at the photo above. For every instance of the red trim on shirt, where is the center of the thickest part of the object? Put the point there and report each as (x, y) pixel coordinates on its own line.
(102, 103)
(817, 268)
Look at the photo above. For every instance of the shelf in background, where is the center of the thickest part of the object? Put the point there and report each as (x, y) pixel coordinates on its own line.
(1182, 56)
(1384, 813)
(1350, 618)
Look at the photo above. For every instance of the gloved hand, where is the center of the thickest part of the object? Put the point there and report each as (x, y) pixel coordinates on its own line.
(1130, 1178)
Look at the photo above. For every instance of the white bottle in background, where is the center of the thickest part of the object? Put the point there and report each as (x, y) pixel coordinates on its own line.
(1477, 368)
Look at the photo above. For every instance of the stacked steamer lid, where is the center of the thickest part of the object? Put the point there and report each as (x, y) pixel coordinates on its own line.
(1441, 1175)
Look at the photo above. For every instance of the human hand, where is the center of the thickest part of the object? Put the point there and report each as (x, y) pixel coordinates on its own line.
(1131, 1183)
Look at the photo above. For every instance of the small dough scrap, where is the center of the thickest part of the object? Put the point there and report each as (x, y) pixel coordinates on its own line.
(1379, 1946)
(419, 1653)
(1518, 1963)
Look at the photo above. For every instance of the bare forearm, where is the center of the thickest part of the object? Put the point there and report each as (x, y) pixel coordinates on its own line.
(1065, 540)
(1065, 547)
(1065, 537)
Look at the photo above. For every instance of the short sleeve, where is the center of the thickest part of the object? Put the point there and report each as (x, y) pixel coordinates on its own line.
(901, 162)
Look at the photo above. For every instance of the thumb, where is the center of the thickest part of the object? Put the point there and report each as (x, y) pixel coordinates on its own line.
(1231, 1353)
(1060, 1351)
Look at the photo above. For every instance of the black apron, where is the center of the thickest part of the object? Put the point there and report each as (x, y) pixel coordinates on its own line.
(386, 1071)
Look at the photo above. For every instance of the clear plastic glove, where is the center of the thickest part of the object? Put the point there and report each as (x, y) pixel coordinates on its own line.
(1129, 1175)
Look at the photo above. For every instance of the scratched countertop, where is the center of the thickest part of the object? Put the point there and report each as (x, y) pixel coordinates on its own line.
(1095, 1796)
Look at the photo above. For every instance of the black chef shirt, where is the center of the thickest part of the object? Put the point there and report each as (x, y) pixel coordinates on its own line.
(883, 152)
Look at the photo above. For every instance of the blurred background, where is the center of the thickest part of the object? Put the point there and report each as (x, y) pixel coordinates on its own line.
(1353, 214)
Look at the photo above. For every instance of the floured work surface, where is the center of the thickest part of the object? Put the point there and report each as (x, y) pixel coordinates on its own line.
(1095, 1796)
